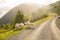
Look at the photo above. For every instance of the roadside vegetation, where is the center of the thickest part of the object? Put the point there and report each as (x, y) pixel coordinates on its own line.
(21, 22)
(55, 7)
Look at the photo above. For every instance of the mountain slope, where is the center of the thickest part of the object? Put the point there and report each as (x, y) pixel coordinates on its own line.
(27, 8)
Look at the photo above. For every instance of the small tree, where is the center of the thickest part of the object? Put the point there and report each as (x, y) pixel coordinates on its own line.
(19, 17)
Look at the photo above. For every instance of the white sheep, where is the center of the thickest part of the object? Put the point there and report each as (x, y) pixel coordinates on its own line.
(19, 25)
(29, 24)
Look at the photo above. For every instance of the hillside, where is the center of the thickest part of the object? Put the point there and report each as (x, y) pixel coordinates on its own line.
(55, 7)
(27, 8)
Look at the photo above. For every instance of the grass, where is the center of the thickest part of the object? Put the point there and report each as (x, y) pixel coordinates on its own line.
(44, 19)
(9, 33)
(14, 31)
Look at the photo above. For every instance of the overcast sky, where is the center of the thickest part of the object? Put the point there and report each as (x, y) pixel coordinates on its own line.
(16, 2)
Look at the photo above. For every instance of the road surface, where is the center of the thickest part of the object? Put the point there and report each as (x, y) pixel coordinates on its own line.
(45, 31)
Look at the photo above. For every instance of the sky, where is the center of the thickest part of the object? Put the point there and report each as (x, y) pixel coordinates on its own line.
(6, 5)
(12, 3)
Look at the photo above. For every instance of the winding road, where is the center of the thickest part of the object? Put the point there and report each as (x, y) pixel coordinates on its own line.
(44, 31)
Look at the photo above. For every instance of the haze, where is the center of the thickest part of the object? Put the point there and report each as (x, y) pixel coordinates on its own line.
(15, 2)
(6, 5)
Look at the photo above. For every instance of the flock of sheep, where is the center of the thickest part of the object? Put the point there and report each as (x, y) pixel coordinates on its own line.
(21, 25)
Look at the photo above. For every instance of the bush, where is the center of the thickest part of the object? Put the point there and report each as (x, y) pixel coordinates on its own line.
(26, 17)
(6, 26)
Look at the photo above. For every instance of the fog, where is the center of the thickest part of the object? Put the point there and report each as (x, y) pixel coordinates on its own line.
(6, 5)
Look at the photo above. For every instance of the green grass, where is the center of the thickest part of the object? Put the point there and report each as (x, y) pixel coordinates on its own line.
(9, 33)
(14, 31)
(43, 19)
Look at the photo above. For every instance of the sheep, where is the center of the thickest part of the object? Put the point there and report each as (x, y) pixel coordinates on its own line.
(19, 25)
(29, 24)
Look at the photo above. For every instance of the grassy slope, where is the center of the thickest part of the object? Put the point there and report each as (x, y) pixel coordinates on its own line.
(11, 32)
(44, 19)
